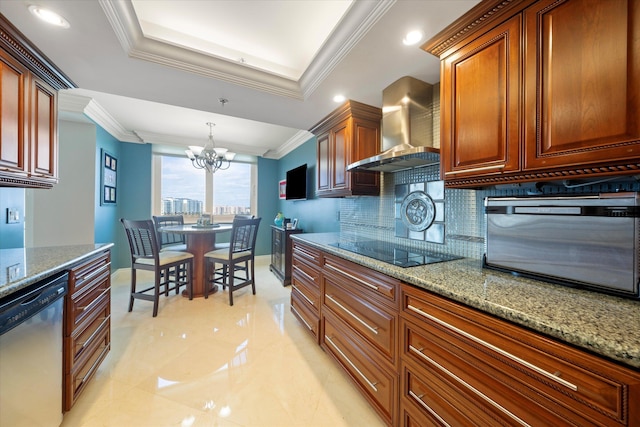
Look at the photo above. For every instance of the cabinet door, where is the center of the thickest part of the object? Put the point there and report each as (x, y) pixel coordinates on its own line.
(366, 143)
(582, 82)
(44, 137)
(480, 105)
(324, 164)
(14, 101)
(340, 136)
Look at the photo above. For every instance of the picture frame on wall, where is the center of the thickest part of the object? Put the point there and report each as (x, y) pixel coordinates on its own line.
(109, 178)
(282, 186)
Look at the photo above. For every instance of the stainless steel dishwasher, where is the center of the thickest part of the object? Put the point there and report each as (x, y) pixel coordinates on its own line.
(31, 354)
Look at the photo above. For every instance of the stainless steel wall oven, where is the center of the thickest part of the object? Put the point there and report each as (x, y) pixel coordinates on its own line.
(584, 241)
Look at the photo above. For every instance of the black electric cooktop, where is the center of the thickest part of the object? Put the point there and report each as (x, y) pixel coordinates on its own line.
(393, 254)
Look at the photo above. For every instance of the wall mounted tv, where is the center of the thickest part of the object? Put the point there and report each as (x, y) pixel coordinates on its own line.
(296, 188)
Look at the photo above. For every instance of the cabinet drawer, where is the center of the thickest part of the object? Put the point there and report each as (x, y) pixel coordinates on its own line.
(455, 376)
(89, 273)
(309, 318)
(78, 310)
(306, 253)
(305, 274)
(548, 375)
(362, 279)
(444, 401)
(372, 321)
(310, 296)
(89, 330)
(87, 365)
(358, 358)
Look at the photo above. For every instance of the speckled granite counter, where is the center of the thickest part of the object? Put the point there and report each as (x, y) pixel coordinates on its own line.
(602, 324)
(33, 264)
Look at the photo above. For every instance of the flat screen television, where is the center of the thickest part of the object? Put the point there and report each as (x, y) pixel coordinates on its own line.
(296, 188)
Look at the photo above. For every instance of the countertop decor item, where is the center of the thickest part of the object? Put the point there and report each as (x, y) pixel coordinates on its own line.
(279, 219)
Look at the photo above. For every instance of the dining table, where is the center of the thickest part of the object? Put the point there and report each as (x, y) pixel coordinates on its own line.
(200, 240)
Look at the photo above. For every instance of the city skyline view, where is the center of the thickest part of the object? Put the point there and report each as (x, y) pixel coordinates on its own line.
(180, 180)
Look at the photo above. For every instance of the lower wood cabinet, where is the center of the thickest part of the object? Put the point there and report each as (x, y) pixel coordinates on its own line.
(87, 324)
(464, 367)
(423, 360)
(305, 286)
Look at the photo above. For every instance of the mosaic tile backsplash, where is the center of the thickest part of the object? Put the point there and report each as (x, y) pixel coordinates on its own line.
(371, 217)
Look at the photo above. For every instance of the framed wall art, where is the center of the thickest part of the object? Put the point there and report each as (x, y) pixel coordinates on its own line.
(282, 188)
(109, 178)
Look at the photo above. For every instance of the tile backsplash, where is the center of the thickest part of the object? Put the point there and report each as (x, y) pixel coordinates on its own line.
(371, 217)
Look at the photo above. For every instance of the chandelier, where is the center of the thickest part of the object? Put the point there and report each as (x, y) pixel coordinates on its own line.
(209, 157)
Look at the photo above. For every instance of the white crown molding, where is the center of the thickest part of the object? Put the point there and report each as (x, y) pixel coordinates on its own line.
(71, 103)
(294, 142)
(359, 19)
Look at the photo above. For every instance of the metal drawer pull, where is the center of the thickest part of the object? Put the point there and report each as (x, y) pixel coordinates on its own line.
(372, 385)
(302, 293)
(469, 386)
(305, 254)
(302, 318)
(365, 324)
(94, 273)
(427, 408)
(374, 287)
(304, 273)
(506, 354)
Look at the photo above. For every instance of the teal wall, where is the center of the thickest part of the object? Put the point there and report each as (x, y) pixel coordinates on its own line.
(267, 202)
(315, 215)
(11, 235)
(106, 216)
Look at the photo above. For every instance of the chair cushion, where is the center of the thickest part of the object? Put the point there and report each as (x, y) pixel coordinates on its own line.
(223, 254)
(167, 257)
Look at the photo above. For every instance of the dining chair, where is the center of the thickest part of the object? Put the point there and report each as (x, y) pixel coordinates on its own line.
(170, 241)
(225, 245)
(171, 269)
(238, 258)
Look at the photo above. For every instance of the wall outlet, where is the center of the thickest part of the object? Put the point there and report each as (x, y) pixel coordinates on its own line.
(13, 215)
(13, 272)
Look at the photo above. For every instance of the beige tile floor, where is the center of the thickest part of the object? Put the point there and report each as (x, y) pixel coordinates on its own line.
(204, 363)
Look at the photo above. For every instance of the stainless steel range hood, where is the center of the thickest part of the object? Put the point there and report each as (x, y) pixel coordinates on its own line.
(407, 129)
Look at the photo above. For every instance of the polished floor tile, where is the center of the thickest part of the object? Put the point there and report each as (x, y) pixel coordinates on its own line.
(204, 363)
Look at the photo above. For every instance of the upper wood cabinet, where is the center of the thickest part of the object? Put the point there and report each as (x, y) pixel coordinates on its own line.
(540, 90)
(348, 134)
(28, 121)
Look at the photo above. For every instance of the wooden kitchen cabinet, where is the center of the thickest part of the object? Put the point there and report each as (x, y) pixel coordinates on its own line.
(281, 253)
(348, 134)
(87, 324)
(305, 286)
(359, 320)
(28, 124)
(462, 367)
(540, 90)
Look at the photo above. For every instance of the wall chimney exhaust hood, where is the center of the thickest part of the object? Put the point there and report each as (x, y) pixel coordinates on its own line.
(407, 129)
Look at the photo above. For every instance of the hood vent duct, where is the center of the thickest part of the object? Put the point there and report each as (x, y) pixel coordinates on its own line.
(407, 129)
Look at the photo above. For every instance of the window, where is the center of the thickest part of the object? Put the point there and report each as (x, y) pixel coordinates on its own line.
(181, 189)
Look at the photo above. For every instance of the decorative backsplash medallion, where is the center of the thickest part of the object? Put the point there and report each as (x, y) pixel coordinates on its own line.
(419, 211)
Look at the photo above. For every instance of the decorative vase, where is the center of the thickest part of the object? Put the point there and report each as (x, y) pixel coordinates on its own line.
(279, 219)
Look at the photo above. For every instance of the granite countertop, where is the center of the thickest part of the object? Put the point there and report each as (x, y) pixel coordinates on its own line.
(603, 324)
(22, 267)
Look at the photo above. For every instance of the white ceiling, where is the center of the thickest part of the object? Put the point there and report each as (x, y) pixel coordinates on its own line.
(153, 71)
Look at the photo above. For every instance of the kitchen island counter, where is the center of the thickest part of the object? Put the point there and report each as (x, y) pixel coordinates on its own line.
(21, 267)
(599, 323)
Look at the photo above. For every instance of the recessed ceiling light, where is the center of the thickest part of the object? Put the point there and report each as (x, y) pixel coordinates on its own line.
(49, 16)
(339, 98)
(412, 37)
